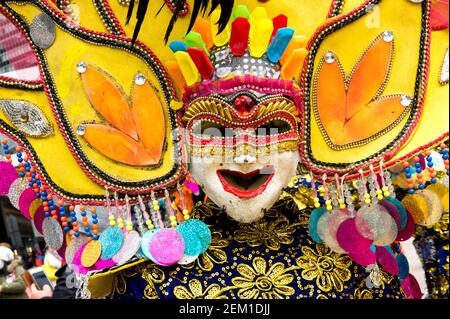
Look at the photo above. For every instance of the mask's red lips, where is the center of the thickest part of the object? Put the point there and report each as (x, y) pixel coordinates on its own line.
(246, 185)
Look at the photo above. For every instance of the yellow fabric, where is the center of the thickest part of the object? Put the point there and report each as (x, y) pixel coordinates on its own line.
(62, 58)
(88, 15)
(435, 118)
(349, 43)
(350, 5)
(101, 284)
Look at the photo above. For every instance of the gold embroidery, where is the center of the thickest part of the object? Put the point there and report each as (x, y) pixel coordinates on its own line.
(258, 282)
(214, 255)
(195, 291)
(330, 270)
(152, 275)
(271, 233)
(362, 293)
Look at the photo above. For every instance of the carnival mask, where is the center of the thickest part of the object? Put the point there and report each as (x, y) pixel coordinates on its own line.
(244, 149)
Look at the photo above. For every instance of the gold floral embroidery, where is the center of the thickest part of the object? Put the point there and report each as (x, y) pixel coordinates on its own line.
(258, 282)
(362, 293)
(330, 270)
(195, 291)
(381, 279)
(271, 233)
(152, 275)
(203, 210)
(214, 255)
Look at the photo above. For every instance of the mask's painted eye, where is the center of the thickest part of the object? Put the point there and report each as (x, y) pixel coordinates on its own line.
(27, 118)
(210, 129)
(274, 127)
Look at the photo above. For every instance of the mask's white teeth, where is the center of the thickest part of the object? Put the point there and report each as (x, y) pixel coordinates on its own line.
(245, 159)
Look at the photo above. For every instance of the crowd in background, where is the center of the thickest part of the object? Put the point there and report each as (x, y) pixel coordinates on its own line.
(13, 265)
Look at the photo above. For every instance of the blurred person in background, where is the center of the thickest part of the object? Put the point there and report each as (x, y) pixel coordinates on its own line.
(12, 285)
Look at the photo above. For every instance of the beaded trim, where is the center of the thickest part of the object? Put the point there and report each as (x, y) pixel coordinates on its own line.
(336, 8)
(306, 83)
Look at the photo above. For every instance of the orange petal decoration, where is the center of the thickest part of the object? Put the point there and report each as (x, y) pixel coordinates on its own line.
(331, 98)
(203, 27)
(117, 146)
(148, 115)
(372, 119)
(297, 42)
(109, 100)
(369, 75)
(177, 76)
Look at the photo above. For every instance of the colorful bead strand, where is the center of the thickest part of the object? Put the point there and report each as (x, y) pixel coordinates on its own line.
(7, 151)
(364, 194)
(183, 203)
(170, 211)
(419, 172)
(409, 179)
(118, 211)
(316, 196)
(129, 223)
(430, 166)
(148, 221)
(444, 153)
(328, 203)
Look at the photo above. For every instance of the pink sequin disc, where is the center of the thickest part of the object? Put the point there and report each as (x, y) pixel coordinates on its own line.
(167, 247)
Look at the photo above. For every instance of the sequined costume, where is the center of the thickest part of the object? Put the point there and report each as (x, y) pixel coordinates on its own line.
(230, 149)
(273, 258)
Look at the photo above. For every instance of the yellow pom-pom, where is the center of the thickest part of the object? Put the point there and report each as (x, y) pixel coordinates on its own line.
(186, 217)
(151, 227)
(174, 224)
(120, 226)
(329, 208)
(366, 196)
(317, 205)
(185, 212)
(172, 218)
(342, 206)
(316, 200)
(380, 197)
(120, 221)
(387, 194)
(129, 228)
(112, 223)
(385, 189)
(368, 201)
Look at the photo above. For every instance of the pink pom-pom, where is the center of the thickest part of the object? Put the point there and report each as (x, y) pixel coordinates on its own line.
(350, 239)
(26, 198)
(8, 175)
(411, 287)
(167, 247)
(387, 261)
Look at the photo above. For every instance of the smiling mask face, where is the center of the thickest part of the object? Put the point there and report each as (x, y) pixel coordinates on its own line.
(244, 150)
